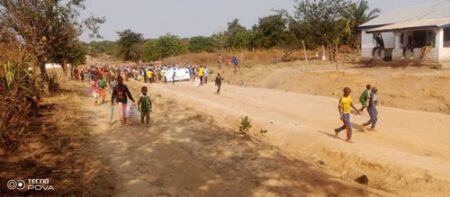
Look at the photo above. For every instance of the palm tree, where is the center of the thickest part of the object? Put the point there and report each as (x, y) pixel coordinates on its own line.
(357, 14)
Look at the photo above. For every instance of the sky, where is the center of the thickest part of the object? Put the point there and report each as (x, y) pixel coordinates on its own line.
(187, 18)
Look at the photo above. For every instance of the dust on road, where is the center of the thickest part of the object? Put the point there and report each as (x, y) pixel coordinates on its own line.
(185, 153)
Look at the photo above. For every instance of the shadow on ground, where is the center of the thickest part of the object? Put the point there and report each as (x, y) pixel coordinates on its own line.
(184, 153)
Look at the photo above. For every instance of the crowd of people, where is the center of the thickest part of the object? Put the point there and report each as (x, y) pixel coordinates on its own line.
(102, 78)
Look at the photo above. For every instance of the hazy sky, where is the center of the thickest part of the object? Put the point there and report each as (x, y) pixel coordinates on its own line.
(193, 17)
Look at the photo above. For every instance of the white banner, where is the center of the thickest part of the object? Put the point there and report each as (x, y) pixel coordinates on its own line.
(181, 74)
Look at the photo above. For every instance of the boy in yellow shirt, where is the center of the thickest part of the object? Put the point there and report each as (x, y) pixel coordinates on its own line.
(201, 72)
(344, 107)
(150, 76)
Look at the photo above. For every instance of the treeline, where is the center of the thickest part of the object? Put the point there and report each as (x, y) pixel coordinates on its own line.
(314, 23)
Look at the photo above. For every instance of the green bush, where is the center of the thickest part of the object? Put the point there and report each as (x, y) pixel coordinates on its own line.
(245, 125)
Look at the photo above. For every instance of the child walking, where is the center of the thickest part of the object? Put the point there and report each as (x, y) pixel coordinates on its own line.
(120, 94)
(365, 96)
(145, 106)
(218, 82)
(372, 109)
(345, 103)
(102, 84)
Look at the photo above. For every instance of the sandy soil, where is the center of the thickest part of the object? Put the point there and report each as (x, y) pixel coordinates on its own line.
(187, 153)
(59, 147)
(413, 88)
(408, 156)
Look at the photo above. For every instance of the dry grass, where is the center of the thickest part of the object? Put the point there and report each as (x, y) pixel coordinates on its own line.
(246, 57)
(255, 57)
(59, 148)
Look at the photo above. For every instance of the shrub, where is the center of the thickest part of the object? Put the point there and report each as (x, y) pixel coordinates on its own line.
(245, 125)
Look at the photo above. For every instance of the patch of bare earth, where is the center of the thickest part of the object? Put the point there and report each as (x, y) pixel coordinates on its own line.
(412, 88)
(186, 153)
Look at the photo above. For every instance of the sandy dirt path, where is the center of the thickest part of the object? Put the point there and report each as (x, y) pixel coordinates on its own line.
(186, 153)
(410, 153)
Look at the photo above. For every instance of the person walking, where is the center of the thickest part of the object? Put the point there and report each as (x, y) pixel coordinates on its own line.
(102, 84)
(220, 61)
(372, 109)
(206, 74)
(344, 107)
(365, 96)
(174, 74)
(218, 83)
(120, 95)
(145, 106)
(201, 73)
(236, 63)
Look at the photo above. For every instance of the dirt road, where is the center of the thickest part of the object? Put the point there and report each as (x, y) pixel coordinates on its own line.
(186, 153)
(409, 155)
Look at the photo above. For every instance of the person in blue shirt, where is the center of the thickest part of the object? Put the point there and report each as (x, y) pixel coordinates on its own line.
(372, 109)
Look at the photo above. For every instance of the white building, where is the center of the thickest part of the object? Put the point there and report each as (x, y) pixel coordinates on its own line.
(426, 25)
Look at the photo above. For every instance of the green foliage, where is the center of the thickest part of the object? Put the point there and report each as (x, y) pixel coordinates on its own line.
(355, 15)
(238, 37)
(315, 22)
(150, 52)
(220, 40)
(46, 30)
(164, 46)
(201, 44)
(270, 32)
(245, 125)
(321, 19)
(102, 47)
(130, 45)
(19, 93)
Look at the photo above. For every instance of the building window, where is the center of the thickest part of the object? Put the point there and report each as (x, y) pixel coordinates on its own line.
(447, 37)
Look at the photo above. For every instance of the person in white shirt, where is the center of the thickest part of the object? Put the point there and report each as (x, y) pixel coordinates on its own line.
(206, 74)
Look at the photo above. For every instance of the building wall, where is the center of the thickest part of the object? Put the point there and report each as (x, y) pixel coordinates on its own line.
(444, 52)
(368, 43)
(437, 54)
(433, 56)
(444, 55)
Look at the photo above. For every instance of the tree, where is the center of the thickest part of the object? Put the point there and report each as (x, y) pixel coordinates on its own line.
(129, 44)
(165, 46)
(237, 36)
(201, 44)
(322, 19)
(44, 30)
(355, 15)
(219, 40)
(270, 31)
(102, 47)
(170, 45)
(150, 52)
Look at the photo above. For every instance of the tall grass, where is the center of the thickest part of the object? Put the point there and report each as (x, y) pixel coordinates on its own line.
(20, 92)
(255, 57)
(266, 56)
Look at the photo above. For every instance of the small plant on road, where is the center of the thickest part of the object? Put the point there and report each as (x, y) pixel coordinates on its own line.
(245, 125)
